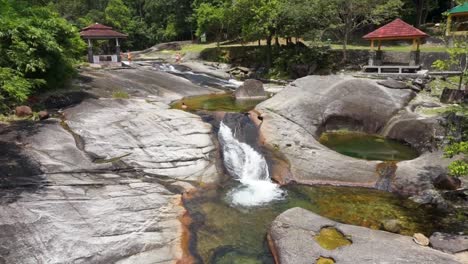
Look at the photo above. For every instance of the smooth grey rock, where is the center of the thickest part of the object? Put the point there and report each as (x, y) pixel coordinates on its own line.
(449, 243)
(296, 115)
(292, 235)
(61, 206)
(148, 136)
(141, 82)
(251, 89)
(420, 132)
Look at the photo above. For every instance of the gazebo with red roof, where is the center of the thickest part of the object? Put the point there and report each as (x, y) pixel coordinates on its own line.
(395, 30)
(100, 32)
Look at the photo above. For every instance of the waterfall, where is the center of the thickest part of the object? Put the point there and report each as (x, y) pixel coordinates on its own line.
(248, 167)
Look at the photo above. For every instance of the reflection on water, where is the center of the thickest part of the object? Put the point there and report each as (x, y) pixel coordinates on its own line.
(365, 146)
(226, 233)
(216, 102)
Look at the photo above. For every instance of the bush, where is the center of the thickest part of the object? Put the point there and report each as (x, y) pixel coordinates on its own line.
(38, 49)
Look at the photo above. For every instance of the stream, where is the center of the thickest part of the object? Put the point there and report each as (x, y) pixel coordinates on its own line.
(230, 221)
(201, 79)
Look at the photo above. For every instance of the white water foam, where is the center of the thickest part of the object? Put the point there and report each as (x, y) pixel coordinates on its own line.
(250, 168)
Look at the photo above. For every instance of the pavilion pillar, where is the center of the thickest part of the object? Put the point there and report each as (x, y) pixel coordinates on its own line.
(415, 54)
(117, 50)
(90, 51)
(379, 55)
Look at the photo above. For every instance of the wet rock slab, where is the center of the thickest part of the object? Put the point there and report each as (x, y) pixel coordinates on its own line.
(147, 136)
(69, 196)
(292, 239)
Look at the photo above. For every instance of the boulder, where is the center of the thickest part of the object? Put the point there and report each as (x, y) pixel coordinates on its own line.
(392, 225)
(294, 119)
(422, 133)
(43, 115)
(446, 182)
(421, 239)
(449, 243)
(292, 238)
(23, 111)
(450, 96)
(251, 89)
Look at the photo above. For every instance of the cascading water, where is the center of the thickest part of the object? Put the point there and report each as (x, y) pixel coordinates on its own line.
(248, 167)
(197, 78)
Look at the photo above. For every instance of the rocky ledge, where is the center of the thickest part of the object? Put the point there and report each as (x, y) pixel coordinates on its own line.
(294, 119)
(101, 186)
(294, 238)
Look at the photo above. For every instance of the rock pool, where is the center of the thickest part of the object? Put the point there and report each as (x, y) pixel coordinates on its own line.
(224, 233)
(366, 146)
(216, 102)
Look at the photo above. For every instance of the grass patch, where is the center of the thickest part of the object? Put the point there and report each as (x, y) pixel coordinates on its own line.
(120, 95)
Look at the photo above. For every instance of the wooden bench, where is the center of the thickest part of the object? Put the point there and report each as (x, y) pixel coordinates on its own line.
(396, 69)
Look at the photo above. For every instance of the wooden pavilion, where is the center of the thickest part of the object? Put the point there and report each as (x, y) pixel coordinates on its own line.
(101, 32)
(457, 21)
(395, 30)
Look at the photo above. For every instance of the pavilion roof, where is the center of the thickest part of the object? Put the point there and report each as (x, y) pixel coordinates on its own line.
(459, 9)
(99, 31)
(397, 29)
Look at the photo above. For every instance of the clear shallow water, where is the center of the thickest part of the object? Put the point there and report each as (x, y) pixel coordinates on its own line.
(365, 146)
(216, 102)
(226, 233)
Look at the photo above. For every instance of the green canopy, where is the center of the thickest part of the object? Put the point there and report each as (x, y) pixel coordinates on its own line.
(459, 9)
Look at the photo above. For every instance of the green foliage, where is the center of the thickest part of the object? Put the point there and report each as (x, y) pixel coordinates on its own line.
(458, 167)
(37, 49)
(117, 14)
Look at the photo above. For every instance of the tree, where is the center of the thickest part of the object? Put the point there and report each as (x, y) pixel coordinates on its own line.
(352, 15)
(117, 14)
(38, 49)
(210, 19)
(458, 59)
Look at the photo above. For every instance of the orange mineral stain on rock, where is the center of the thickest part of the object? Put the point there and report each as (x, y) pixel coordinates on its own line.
(185, 220)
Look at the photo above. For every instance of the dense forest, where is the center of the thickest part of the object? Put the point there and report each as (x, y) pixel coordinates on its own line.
(40, 44)
(152, 21)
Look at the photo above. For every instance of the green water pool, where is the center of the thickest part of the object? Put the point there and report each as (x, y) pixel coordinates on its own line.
(365, 146)
(216, 102)
(229, 234)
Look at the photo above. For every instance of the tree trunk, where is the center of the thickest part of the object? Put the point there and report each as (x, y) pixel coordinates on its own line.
(345, 45)
(259, 43)
(277, 41)
(268, 51)
(419, 12)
